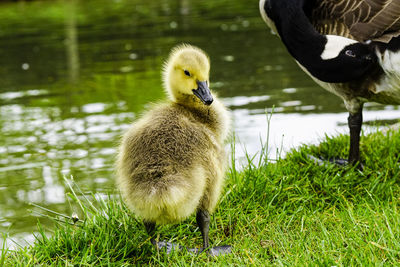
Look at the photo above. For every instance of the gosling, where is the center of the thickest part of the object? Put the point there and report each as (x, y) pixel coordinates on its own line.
(171, 162)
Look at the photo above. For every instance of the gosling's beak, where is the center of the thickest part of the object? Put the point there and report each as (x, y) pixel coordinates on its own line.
(203, 93)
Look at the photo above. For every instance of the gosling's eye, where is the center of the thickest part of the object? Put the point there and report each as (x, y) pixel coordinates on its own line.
(350, 53)
(187, 73)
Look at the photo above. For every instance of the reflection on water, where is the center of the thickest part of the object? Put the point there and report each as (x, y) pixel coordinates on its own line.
(75, 74)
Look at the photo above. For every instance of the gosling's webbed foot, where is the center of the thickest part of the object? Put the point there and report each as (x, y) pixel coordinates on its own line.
(214, 251)
(167, 246)
(220, 250)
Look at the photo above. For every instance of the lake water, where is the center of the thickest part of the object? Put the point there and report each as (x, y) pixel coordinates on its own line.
(75, 74)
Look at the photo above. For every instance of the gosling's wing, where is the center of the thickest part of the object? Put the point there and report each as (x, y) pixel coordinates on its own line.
(362, 20)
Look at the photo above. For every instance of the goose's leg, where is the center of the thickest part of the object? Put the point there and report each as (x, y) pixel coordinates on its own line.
(203, 221)
(151, 230)
(355, 123)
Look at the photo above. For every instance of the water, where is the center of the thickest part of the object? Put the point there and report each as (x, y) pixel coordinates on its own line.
(74, 74)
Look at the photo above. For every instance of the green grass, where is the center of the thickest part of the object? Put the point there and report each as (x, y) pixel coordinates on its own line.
(290, 212)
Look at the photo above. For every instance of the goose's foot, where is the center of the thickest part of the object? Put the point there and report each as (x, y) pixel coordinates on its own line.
(167, 246)
(354, 122)
(344, 162)
(321, 161)
(337, 161)
(214, 251)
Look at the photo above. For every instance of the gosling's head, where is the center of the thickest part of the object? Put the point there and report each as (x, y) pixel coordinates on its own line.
(186, 74)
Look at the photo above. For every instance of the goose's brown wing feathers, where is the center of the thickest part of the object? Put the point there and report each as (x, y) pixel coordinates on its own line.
(377, 20)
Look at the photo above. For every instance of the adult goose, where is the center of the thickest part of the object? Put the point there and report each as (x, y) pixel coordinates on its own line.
(349, 47)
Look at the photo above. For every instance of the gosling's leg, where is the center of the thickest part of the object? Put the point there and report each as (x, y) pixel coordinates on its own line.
(151, 230)
(203, 221)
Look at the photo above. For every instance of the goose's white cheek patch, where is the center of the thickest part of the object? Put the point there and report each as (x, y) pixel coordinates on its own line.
(334, 45)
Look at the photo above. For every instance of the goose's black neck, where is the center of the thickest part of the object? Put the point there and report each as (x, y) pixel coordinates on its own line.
(297, 33)
(341, 60)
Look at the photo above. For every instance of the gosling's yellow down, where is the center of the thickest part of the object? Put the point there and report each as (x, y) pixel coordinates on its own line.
(172, 160)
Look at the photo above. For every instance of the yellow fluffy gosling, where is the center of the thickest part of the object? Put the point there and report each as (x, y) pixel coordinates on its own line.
(171, 162)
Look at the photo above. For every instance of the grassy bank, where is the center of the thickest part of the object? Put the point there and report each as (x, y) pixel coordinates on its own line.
(292, 212)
